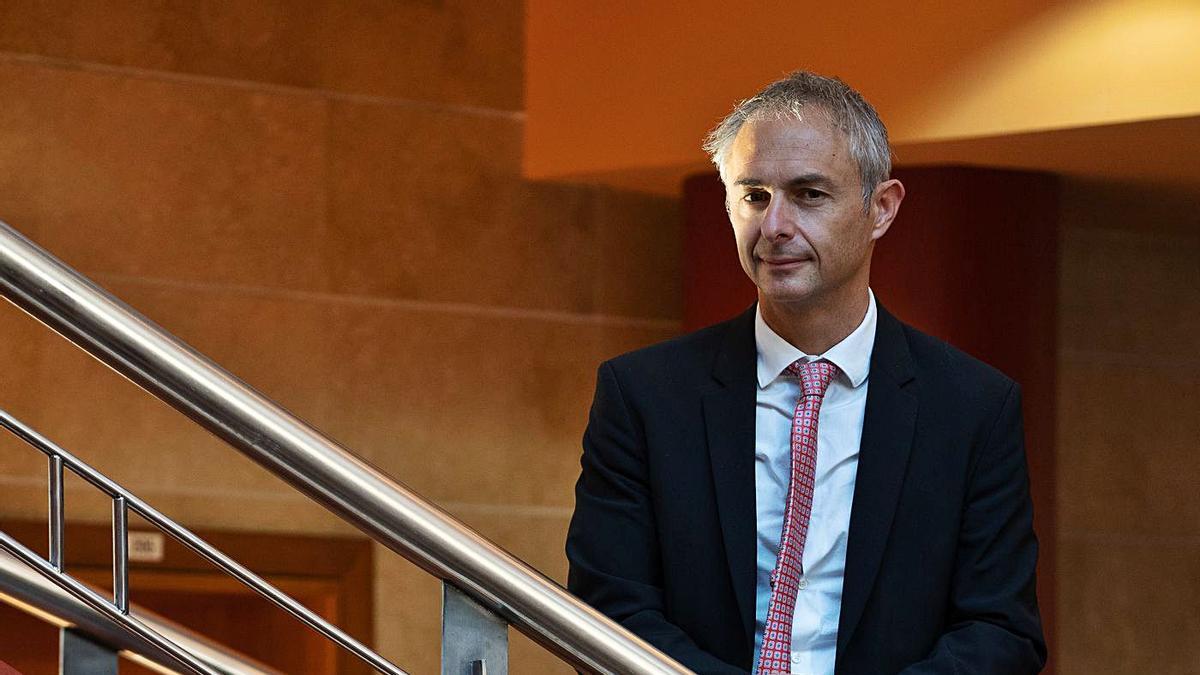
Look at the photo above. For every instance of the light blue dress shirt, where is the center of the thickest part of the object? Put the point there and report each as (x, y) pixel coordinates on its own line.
(839, 433)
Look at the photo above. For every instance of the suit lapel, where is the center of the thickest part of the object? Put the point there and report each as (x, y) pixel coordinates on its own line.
(729, 425)
(888, 426)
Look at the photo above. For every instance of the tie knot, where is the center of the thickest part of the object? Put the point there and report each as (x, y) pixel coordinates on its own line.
(814, 376)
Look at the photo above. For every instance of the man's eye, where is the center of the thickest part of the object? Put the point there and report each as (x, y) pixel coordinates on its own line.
(810, 194)
(756, 196)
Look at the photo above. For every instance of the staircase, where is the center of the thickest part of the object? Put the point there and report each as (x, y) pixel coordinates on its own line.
(485, 589)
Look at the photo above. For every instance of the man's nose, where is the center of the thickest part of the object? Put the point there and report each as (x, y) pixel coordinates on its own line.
(778, 221)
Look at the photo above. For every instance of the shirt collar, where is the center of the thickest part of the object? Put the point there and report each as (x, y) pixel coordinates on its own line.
(852, 355)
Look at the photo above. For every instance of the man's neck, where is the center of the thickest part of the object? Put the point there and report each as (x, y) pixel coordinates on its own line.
(815, 328)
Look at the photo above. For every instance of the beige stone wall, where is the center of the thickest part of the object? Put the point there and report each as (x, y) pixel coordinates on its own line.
(1129, 432)
(324, 197)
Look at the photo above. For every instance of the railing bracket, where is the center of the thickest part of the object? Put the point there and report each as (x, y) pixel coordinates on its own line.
(81, 656)
(474, 640)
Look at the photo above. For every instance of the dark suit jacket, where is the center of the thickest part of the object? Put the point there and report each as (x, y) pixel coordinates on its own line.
(941, 552)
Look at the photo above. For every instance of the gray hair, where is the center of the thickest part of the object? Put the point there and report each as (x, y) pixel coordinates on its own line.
(844, 107)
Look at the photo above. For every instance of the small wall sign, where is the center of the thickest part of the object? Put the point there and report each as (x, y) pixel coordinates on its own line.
(146, 546)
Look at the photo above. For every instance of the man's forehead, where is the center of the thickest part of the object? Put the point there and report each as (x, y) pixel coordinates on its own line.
(808, 145)
(787, 132)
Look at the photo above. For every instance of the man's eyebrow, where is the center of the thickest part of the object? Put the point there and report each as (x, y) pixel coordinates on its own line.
(810, 179)
(798, 181)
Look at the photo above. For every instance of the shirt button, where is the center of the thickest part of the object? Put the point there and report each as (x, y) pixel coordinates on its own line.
(803, 583)
(795, 658)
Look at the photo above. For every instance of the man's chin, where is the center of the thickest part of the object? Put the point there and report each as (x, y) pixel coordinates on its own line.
(795, 296)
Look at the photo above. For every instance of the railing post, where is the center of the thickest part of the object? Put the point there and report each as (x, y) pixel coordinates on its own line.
(474, 640)
(78, 655)
(120, 533)
(57, 514)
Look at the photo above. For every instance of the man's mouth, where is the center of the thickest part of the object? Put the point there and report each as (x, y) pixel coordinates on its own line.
(783, 261)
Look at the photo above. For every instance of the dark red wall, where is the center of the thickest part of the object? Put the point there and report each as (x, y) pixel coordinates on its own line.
(972, 258)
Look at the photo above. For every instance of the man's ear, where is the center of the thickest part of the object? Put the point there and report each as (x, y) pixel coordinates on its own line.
(885, 204)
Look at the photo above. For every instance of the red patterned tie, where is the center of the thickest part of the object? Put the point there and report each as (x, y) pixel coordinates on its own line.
(775, 656)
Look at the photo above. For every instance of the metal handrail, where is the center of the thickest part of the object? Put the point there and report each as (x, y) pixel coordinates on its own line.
(25, 589)
(123, 502)
(386, 510)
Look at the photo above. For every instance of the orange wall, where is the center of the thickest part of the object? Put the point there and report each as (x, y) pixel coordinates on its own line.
(627, 86)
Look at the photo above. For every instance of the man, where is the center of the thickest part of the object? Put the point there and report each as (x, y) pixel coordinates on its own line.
(811, 487)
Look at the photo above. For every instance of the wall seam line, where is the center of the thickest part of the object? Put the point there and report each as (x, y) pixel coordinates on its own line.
(457, 308)
(1131, 360)
(526, 510)
(257, 86)
(1130, 539)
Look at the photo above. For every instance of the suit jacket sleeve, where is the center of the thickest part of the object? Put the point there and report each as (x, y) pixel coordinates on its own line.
(612, 542)
(993, 624)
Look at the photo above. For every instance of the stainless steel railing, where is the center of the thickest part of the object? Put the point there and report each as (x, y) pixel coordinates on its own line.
(386, 510)
(124, 501)
(22, 587)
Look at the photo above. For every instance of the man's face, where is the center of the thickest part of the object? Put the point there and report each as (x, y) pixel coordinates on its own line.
(795, 202)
